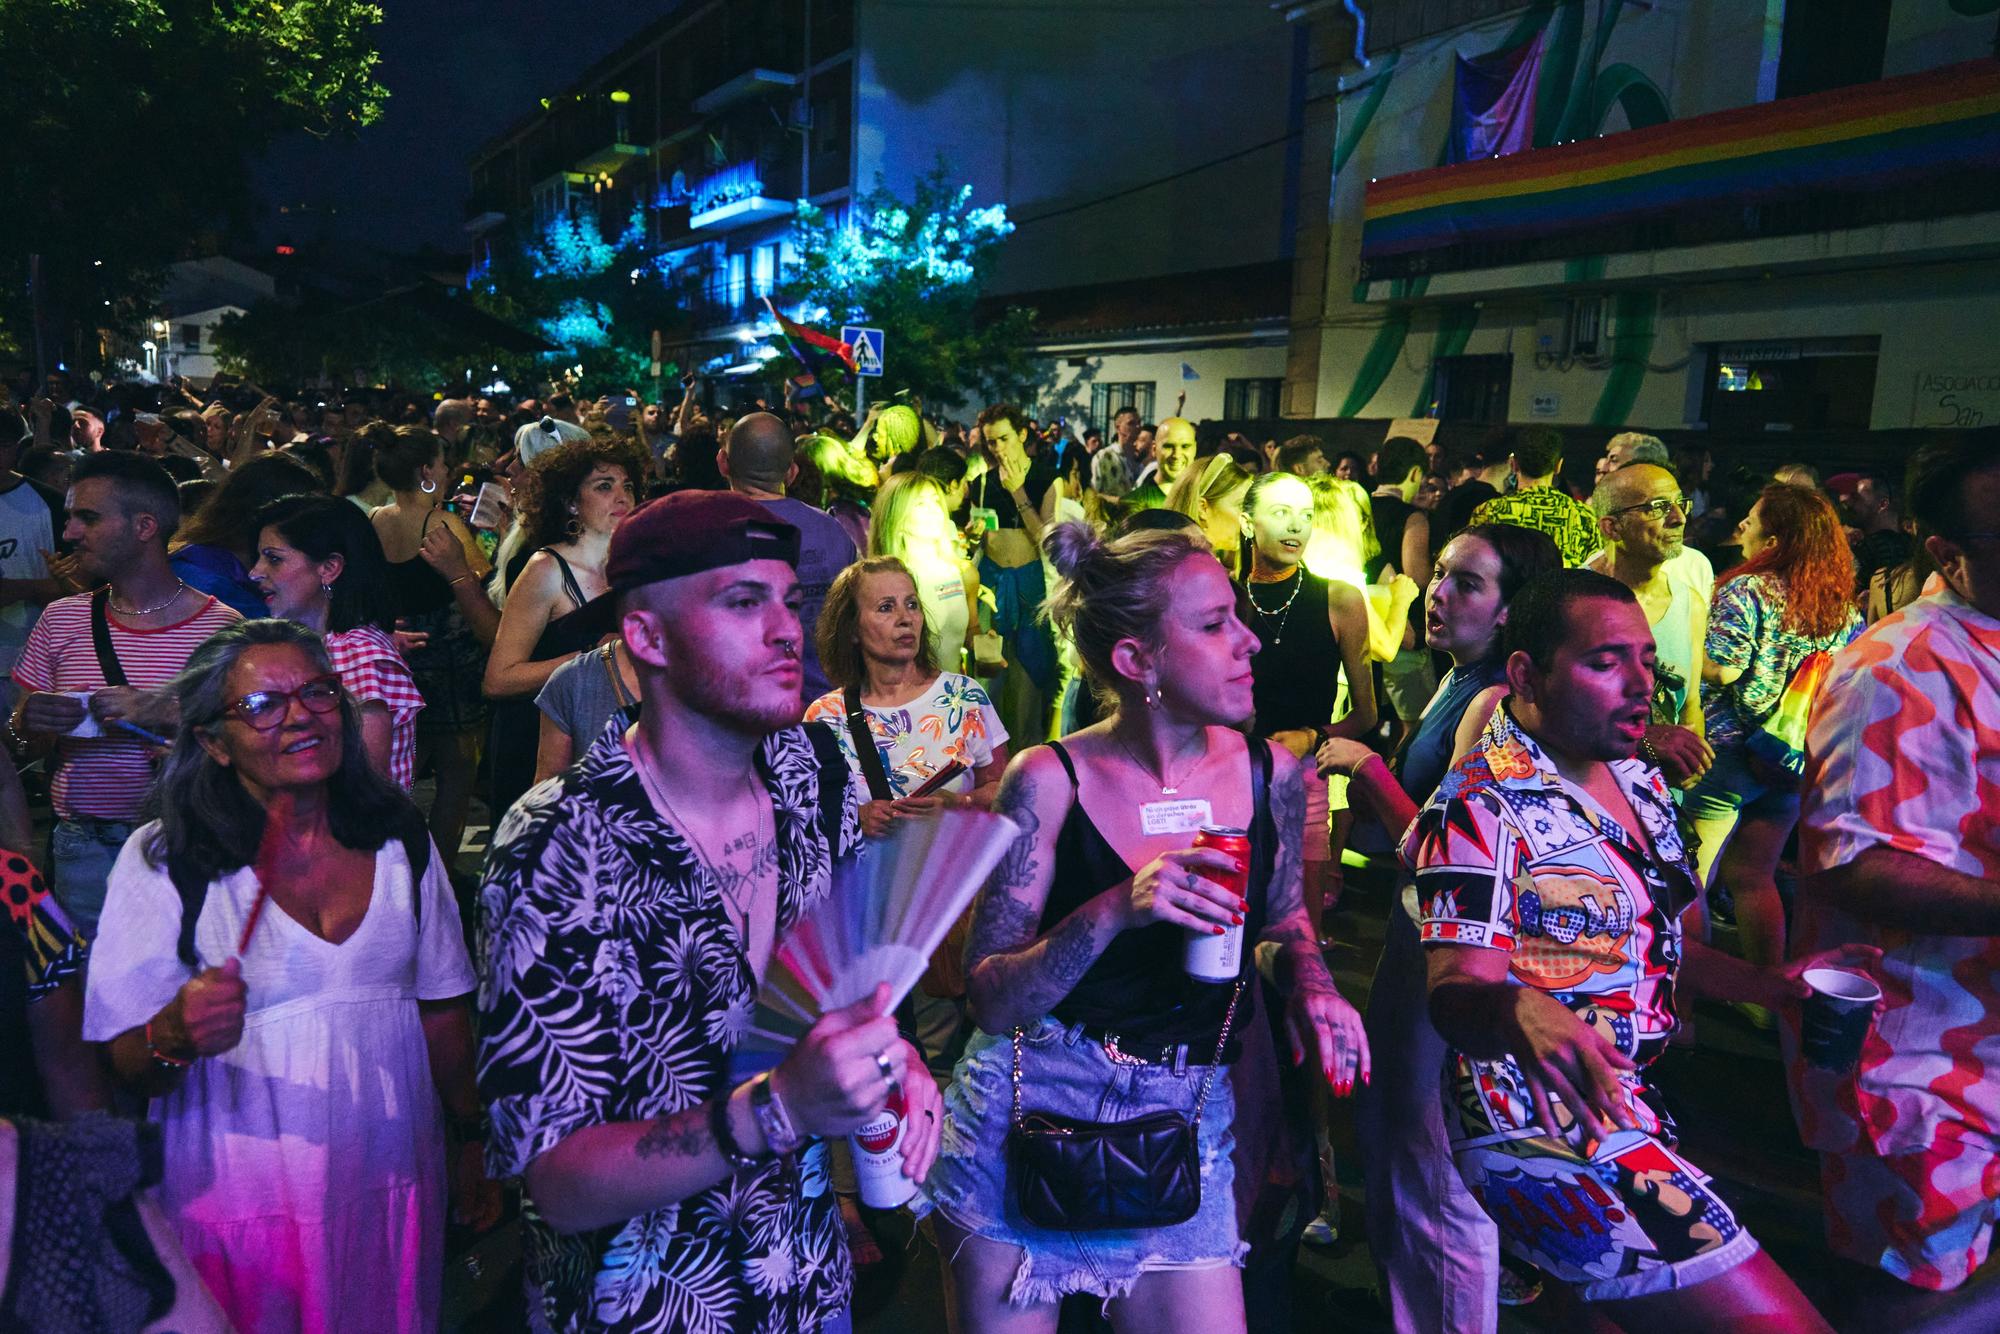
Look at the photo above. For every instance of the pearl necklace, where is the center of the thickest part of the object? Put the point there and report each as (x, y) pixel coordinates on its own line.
(1284, 612)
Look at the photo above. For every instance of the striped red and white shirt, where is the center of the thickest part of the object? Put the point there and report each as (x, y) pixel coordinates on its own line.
(373, 671)
(107, 777)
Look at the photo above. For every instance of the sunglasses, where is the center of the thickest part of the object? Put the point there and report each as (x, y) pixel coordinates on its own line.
(265, 709)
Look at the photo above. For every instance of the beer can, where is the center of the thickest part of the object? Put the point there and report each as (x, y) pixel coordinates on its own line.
(1219, 958)
(878, 1158)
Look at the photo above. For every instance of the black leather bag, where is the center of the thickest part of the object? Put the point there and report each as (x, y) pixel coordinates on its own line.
(1100, 1176)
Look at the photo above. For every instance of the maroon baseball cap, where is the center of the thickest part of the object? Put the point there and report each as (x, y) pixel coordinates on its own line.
(692, 531)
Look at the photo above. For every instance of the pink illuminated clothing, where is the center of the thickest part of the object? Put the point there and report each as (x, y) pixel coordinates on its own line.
(305, 1173)
(1904, 753)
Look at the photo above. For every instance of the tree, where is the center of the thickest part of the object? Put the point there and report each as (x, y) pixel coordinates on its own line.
(130, 128)
(597, 298)
(915, 270)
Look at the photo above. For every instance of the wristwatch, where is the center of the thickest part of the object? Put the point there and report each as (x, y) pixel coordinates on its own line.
(772, 1118)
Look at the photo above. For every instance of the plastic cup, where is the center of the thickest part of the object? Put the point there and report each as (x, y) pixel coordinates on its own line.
(1836, 1017)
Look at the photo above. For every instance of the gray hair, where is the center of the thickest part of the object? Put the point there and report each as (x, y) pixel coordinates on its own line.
(1644, 449)
(209, 824)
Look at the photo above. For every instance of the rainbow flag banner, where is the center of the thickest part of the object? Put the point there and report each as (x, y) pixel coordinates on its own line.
(1923, 145)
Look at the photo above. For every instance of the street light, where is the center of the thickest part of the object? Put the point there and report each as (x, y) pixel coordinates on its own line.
(620, 96)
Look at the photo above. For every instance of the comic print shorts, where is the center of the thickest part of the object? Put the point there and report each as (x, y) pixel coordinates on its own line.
(1623, 1217)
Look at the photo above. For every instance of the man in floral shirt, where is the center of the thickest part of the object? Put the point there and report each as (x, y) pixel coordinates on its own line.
(1552, 878)
(630, 906)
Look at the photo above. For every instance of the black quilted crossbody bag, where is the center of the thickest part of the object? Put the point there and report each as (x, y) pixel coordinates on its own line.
(1100, 1176)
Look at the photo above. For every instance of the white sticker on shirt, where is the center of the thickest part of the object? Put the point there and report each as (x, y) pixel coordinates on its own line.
(1175, 817)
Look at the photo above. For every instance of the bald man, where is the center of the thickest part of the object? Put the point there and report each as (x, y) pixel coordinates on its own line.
(1173, 454)
(1643, 518)
(759, 460)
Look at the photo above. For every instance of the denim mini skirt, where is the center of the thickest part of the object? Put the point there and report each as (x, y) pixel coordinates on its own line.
(1065, 1073)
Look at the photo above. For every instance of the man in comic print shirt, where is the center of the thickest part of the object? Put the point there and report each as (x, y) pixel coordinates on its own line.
(1551, 878)
(629, 909)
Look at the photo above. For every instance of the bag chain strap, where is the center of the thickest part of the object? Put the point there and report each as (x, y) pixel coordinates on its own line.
(1207, 1082)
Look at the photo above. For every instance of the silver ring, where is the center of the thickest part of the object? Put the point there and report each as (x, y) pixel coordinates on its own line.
(887, 1067)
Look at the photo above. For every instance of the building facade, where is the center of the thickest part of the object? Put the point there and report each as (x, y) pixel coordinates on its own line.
(1747, 218)
(1150, 164)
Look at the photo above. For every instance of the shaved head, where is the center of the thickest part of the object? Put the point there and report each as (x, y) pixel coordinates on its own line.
(759, 453)
(1633, 484)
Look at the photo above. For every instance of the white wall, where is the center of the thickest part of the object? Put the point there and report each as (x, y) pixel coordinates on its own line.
(1044, 106)
(1215, 365)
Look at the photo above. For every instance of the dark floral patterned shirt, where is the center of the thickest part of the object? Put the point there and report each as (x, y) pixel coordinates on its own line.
(613, 988)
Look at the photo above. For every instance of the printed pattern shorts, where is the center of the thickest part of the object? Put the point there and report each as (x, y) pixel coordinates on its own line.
(1623, 1217)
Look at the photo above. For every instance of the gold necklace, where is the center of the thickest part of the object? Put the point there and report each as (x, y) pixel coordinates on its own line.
(1169, 785)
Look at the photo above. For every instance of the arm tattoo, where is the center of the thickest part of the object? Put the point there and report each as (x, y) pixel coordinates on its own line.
(682, 1135)
(1001, 922)
(1014, 972)
(1299, 965)
(1286, 892)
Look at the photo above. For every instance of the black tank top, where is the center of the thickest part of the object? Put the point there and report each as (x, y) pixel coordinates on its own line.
(1139, 988)
(1297, 667)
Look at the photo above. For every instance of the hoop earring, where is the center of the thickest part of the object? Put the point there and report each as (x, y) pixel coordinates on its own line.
(1153, 698)
(326, 588)
(573, 529)
(427, 486)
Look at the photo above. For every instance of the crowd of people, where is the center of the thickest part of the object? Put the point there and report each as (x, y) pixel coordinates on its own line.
(273, 665)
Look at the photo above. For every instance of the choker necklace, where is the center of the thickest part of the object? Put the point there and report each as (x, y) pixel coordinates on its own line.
(1284, 613)
(180, 587)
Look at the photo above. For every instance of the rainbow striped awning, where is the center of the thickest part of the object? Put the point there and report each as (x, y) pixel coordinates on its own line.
(1920, 145)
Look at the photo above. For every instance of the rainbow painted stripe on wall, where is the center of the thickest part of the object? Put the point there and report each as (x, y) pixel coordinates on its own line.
(1920, 127)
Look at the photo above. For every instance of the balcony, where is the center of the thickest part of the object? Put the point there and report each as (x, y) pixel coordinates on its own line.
(608, 158)
(1911, 149)
(738, 195)
(750, 83)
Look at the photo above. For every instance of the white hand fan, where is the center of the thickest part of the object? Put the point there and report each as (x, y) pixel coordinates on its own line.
(885, 915)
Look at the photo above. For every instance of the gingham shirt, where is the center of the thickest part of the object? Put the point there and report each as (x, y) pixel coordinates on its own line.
(373, 671)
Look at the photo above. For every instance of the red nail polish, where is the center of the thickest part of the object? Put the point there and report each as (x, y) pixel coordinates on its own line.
(1216, 930)
(1237, 919)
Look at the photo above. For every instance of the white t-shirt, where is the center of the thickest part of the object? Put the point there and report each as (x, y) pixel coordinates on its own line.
(26, 531)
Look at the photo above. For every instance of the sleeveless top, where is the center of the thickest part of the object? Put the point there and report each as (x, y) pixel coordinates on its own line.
(1673, 646)
(1425, 756)
(515, 736)
(1139, 988)
(448, 669)
(1297, 665)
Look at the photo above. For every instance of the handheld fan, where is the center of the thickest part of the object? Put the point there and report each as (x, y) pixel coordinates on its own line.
(885, 915)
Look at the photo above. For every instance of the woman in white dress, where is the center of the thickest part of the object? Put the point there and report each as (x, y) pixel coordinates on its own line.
(277, 972)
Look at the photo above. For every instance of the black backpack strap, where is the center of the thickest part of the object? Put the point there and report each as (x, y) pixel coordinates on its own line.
(865, 752)
(1263, 829)
(832, 782)
(417, 850)
(100, 638)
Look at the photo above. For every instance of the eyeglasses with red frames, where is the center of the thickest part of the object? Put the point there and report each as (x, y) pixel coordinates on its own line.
(266, 709)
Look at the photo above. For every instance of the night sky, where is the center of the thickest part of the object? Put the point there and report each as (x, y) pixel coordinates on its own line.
(458, 72)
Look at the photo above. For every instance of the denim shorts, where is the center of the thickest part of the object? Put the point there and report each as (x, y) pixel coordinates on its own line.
(82, 852)
(1731, 786)
(1067, 1073)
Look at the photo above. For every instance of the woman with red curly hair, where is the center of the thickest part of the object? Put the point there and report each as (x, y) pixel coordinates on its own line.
(1791, 596)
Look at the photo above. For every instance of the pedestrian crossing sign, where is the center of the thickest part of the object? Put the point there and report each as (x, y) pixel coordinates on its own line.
(867, 345)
